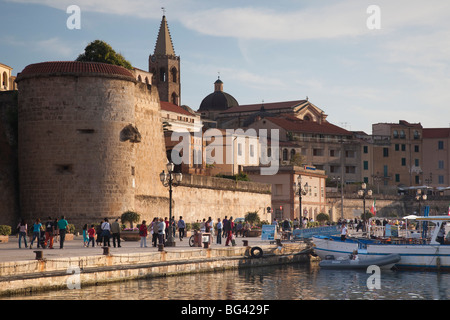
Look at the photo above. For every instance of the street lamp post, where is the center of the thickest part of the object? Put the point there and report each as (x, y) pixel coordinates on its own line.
(301, 191)
(420, 197)
(170, 179)
(364, 193)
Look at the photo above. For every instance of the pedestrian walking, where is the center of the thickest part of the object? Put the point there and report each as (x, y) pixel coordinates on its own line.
(49, 230)
(181, 228)
(62, 226)
(154, 231)
(229, 230)
(91, 233)
(55, 231)
(37, 227)
(161, 231)
(219, 231)
(106, 232)
(22, 227)
(115, 230)
(224, 222)
(85, 236)
(143, 232)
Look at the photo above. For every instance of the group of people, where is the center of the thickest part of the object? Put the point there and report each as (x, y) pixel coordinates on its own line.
(52, 228)
(159, 229)
(104, 232)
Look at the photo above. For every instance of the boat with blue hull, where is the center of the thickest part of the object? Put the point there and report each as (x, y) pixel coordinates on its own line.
(414, 253)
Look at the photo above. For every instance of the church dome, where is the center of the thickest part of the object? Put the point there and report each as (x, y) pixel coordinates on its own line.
(218, 100)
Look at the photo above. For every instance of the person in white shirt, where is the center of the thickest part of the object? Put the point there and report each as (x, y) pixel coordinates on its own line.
(343, 232)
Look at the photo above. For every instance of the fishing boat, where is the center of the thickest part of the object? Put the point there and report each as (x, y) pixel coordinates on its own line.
(384, 262)
(424, 253)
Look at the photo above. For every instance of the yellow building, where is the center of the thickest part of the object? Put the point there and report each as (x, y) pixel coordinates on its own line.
(7, 81)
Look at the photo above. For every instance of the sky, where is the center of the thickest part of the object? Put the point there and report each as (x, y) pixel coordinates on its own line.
(360, 64)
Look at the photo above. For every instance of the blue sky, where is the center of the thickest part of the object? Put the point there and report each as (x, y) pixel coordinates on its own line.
(265, 50)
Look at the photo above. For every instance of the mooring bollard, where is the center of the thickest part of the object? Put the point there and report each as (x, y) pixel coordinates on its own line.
(160, 247)
(245, 243)
(39, 255)
(105, 251)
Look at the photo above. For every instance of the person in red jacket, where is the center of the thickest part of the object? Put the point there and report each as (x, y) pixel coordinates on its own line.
(143, 234)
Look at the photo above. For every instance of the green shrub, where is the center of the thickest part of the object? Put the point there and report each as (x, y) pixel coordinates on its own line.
(252, 217)
(131, 217)
(5, 230)
(71, 228)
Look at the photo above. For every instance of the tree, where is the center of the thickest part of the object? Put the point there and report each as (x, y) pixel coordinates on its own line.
(100, 51)
(131, 217)
(252, 217)
(297, 160)
(322, 217)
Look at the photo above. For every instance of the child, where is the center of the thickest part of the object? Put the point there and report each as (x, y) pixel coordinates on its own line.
(85, 236)
(91, 233)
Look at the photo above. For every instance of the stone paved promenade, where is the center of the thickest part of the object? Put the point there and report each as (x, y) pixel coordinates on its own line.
(10, 251)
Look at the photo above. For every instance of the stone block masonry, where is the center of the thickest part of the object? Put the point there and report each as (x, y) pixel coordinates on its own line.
(19, 277)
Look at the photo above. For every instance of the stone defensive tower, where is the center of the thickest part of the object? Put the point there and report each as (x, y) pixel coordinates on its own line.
(90, 143)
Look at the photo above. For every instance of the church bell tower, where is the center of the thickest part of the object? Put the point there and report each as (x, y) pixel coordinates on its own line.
(165, 66)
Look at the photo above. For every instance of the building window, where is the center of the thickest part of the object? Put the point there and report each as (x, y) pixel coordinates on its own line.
(366, 180)
(366, 149)
(385, 152)
(397, 147)
(416, 148)
(403, 162)
(441, 179)
(252, 150)
(395, 134)
(318, 152)
(397, 177)
(366, 165)
(416, 134)
(441, 164)
(174, 75)
(239, 149)
(350, 169)
(402, 134)
(441, 145)
(416, 162)
(349, 154)
(162, 74)
(417, 179)
(403, 147)
(285, 154)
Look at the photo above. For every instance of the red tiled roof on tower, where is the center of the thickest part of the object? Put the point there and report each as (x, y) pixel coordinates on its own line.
(58, 67)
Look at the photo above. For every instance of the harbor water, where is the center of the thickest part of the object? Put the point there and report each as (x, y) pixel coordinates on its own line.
(283, 282)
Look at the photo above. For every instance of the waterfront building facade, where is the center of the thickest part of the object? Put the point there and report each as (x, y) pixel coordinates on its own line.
(436, 159)
(285, 201)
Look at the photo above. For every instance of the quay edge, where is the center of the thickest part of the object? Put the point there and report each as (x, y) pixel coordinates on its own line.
(30, 276)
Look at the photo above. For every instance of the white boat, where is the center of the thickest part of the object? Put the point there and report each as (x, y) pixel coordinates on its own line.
(385, 262)
(423, 254)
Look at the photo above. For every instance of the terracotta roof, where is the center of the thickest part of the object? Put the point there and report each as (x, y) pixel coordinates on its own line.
(167, 106)
(435, 133)
(74, 67)
(296, 125)
(267, 106)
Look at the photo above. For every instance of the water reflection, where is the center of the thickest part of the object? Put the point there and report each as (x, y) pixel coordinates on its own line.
(289, 282)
